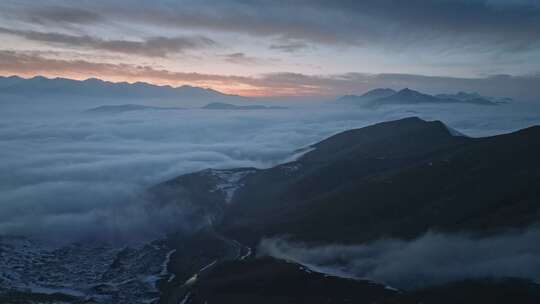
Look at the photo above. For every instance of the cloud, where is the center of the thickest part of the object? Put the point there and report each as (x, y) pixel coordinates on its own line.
(25, 63)
(289, 47)
(67, 175)
(510, 25)
(89, 177)
(474, 38)
(453, 38)
(241, 58)
(62, 14)
(152, 47)
(432, 259)
(507, 25)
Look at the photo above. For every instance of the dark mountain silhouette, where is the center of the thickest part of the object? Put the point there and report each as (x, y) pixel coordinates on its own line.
(228, 106)
(266, 280)
(396, 179)
(474, 98)
(408, 96)
(273, 281)
(95, 88)
(381, 97)
(367, 97)
(116, 109)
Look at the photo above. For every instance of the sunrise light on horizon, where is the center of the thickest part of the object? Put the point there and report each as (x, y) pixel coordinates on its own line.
(297, 48)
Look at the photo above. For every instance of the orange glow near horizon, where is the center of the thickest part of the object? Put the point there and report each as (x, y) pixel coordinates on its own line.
(233, 88)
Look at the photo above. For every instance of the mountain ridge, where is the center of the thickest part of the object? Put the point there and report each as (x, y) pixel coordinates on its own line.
(228, 106)
(384, 161)
(392, 180)
(93, 87)
(115, 109)
(380, 97)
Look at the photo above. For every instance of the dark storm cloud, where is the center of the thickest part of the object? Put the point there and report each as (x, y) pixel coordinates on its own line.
(152, 47)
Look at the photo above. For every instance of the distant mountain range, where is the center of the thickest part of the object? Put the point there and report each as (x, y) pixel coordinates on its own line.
(381, 97)
(474, 98)
(228, 106)
(95, 88)
(116, 109)
(57, 88)
(367, 97)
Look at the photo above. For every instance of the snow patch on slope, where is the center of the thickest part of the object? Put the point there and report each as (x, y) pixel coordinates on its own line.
(290, 168)
(229, 181)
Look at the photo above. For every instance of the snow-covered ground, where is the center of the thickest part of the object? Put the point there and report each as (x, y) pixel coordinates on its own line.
(291, 167)
(97, 271)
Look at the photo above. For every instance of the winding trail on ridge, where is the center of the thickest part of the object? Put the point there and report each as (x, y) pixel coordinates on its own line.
(236, 252)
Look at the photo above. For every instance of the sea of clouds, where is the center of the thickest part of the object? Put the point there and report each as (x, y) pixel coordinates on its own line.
(67, 174)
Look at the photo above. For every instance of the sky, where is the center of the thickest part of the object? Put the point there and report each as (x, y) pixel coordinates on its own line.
(280, 48)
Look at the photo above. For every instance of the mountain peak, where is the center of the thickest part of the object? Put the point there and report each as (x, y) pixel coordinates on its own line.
(408, 91)
(367, 97)
(379, 93)
(40, 78)
(389, 134)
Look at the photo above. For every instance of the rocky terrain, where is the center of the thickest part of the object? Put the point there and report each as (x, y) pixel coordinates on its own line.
(34, 271)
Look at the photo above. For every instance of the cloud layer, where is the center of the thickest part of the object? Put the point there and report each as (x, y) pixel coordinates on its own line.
(152, 47)
(429, 260)
(505, 23)
(66, 174)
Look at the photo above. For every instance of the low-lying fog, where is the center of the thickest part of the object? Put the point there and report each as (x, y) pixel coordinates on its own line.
(431, 259)
(66, 174)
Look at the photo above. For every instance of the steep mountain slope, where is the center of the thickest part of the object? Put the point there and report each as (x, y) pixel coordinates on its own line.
(396, 179)
(267, 280)
(273, 281)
